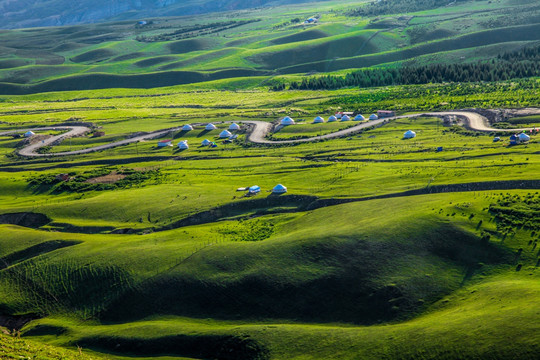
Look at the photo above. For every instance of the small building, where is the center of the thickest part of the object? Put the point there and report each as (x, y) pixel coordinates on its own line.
(409, 134)
(234, 127)
(206, 142)
(183, 145)
(318, 120)
(210, 126)
(187, 127)
(385, 113)
(163, 143)
(373, 117)
(359, 117)
(255, 189)
(29, 134)
(279, 189)
(496, 139)
(332, 118)
(287, 121)
(225, 134)
(345, 118)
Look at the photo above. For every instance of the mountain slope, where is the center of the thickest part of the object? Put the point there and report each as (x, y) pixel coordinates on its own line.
(36, 13)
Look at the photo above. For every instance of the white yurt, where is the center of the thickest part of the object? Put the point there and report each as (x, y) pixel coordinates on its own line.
(206, 142)
(373, 117)
(29, 133)
(409, 134)
(279, 189)
(318, 120)
(523, 137)
(287, 121)
(225, 134)
(359, 117)
(187, 127)
(183, 145)
(210, 126)
(332, 118)
(345, 118)
(234, 126)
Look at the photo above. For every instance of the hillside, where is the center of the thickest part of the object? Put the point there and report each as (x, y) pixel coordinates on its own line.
(193, 187)
(34, 13)
(273, 45)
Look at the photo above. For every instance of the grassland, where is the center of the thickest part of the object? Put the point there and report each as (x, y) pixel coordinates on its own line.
(383, 248)
(255, 43)
(181, 265)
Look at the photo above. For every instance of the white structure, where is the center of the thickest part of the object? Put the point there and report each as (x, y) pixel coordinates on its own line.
(164, 143)
(279, 189)
(318, 120)
(332, 118)
(187, 127)
(373, 117)
(523, 137)
(409, 134)
(210, 126)
(345, 118)
(225, 134)
(206, 142)
(359, 117)
(183, 145)
(287, 121)
(29, 134)
(234, 126)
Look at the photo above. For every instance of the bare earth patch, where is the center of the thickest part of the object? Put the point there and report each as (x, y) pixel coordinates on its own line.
(107, 179)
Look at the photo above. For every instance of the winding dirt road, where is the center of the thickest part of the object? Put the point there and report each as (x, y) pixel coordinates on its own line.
(257, 133)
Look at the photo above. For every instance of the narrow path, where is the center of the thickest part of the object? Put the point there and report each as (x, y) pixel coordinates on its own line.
(257, 133)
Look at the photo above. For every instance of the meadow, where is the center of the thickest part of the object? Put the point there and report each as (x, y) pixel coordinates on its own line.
(382, 247)
(182, 265)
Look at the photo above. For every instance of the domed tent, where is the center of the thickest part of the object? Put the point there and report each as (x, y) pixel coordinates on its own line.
(29, 134)
(345, 118)
(373, 117)
(279, 189)
(318, 120)
(206, 142)
(409, 134)
(183, 145)
(332, 118)
(225, 134)
(210, 126)
(359, 117)
(234, 126)
(187, 127)
(287, 121)
(523, 137)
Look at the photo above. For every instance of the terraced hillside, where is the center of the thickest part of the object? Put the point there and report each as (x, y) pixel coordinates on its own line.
(267, 44)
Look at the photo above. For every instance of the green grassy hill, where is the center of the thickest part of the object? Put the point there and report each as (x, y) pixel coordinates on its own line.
(383, 247)
(180, 50)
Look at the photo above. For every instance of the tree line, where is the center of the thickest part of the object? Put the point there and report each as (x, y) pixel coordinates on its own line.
(513, 65)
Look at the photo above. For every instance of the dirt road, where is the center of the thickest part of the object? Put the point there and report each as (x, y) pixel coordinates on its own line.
(256, 134)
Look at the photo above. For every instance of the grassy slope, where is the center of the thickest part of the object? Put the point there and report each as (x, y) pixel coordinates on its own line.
(94, 56)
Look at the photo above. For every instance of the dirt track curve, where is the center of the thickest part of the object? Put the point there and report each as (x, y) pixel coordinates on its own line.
(257, 133)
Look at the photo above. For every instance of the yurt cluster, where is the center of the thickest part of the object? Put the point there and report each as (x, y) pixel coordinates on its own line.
(340, 116)
(226, 135)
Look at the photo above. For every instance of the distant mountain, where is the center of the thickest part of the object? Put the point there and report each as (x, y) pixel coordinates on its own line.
(37, 13)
